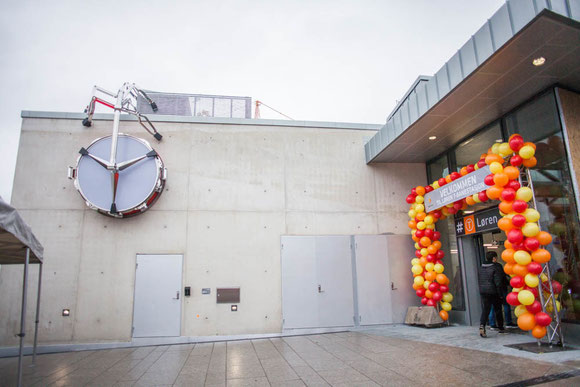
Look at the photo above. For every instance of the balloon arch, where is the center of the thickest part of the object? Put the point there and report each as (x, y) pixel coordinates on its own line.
(525, 258)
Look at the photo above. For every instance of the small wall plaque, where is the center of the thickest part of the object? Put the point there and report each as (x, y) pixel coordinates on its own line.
(228, 295)
(205, 290)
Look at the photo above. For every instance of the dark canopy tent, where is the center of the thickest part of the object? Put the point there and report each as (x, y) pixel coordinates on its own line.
(18, 245)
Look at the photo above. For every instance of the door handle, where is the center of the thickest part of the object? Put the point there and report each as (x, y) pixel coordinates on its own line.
(393, 286)
(177, 296)
(320, 289)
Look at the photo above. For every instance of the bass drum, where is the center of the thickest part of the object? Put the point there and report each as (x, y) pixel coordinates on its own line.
(125, 191)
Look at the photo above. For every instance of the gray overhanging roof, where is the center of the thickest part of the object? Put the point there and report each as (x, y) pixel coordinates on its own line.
(489, 76)
(15, 236)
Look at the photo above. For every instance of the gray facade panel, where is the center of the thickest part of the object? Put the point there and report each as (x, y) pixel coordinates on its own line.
(405, 121)
(422, 103)
(468, 58)
(575, 9)
(432, 92)
(522, 12)
(391, 135)
(442, 81)
(413, 110)
(454, 69)
(559, 6)
(483, 43)
(501, 27)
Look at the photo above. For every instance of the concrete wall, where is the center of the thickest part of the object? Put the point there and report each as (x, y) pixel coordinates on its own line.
(232, 191)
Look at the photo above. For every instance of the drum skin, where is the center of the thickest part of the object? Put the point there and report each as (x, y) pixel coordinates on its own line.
(138, 186)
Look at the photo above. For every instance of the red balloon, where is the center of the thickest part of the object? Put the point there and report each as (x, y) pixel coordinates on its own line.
(533, 290)
(420, 293)
(519, 206)
(452, 210)
(556, 287)
(430, 258)
(437, 296)
(516, 160)
(428, 188)
(414, 191)
(428, 233)
(518, 220)
(488, 180)
(455, 175)
(516, 143)
(508, 194)
(515, 235)
(436, 214)
(424, 300)
(440, 254)
(481, 163)
(431, 302)
(518, 246)
(513, 184)
(457, 206)
(410, 199)
(418, 253)
(433, 286)
(420, 233)
(442, 182)
(482, 196)
(439, 262)
(543, 319)
(534, 268)
(531, 244)
(436, 235)
(517, 282)
(535, 307)
(470, 168)
(512, 299)
(443, 288)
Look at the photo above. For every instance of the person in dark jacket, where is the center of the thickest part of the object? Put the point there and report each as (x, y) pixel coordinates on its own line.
(504, 292)
(490, 286)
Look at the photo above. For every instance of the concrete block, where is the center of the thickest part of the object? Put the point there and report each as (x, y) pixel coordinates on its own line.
(423, 315)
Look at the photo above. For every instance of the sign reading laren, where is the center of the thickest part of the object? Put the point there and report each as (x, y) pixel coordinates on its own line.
(461, 188)
(479, 222)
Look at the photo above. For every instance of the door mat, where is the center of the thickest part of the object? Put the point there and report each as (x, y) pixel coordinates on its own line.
(542, 348)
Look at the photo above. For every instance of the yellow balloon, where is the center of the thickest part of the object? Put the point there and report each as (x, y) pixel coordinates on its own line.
(419, 208)
(495, 148)
(447, 297)
(517, 290)
(419, 199)
(475, 198)
(525, 297)
(417, 247)
(519, 310)
(476, 167)
(419, 280)
(430, 226)
(495, 167)
(435, 185)
(525, 194)
(428, 220)
(505, 150)
(531, 280)
(439, 268)
(415, 261)
(426, 284)
(412, 214)
(417, 269)
(527, 152)
(421, 225)
(531, 229)
(424, 251)
(522, 257)
(446, 306)
(429, 266)
(544, 277)
(531, 215)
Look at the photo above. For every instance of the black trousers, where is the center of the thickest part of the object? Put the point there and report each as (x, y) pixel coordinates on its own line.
(488, 300)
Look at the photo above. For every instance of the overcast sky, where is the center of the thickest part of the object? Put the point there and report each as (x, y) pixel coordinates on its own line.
(326, 60)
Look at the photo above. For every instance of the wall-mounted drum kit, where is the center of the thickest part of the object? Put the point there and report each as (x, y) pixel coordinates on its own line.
(120, 175)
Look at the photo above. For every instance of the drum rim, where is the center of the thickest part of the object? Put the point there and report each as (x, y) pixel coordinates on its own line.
(157, 186)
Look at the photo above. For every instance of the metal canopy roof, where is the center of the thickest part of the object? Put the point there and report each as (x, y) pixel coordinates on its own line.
(489, 76)
(15, 237)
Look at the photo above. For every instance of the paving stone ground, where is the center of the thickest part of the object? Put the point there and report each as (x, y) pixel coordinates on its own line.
(336, 359)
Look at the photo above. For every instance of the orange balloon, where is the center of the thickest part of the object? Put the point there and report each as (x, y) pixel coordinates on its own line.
(508, 268)
(526, 321)
(494, 192)
(417, 287)
(539, 331)
(507, 244)
(421, 215)
(412, 224)
(491, 158)
(531, 162)
(541, 256)
(428, 293)
(425, 241)
(463, 171)
(483, 155)
(500, 179)
(432, 249)
(530, 144)
(422, 261)
(520, 270)
(506, 208)
(430, 276)
(415, 238)
(505, 224)
(511, 172)
(442, 279)
(437, 244)
(448, 179)
(544, 238)
(508, 255)
(420, 190)
(513, 135)
(469, 201)
(444, 315)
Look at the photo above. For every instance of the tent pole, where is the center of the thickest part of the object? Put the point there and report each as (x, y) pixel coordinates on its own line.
(36, 321)
(23, 316)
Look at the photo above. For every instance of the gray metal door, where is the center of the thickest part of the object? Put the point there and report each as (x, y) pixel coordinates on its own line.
(316, 281)
(373, 280)
(157, 306)
(400, 251)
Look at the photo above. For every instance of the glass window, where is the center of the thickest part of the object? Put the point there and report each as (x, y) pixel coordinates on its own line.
(538, 122)
(437, 168)
(451, 261)
(470, 150)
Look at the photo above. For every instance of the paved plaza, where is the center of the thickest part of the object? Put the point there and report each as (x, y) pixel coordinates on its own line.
(386, 356)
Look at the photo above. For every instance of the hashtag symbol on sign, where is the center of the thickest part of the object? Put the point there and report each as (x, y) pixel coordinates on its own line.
(459, 227)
